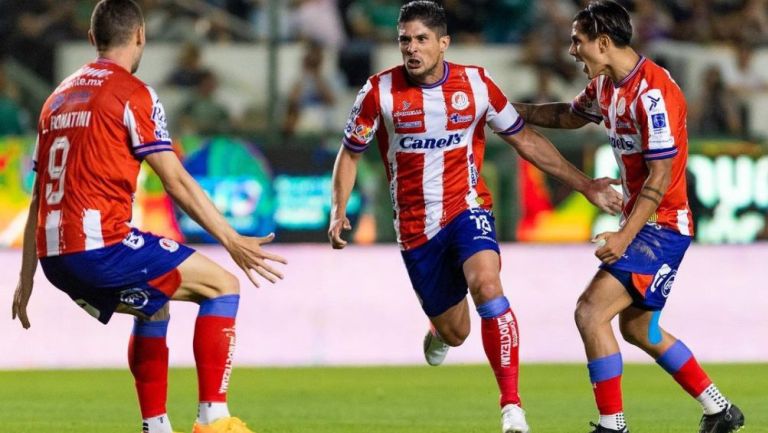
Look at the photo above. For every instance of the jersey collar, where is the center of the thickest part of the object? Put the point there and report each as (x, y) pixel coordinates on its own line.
(631, 74)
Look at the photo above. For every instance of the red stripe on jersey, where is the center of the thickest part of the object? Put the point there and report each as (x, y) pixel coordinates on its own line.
(410, 198)
(495, 95)
(455, 183)
(407, 107)
(459, 101)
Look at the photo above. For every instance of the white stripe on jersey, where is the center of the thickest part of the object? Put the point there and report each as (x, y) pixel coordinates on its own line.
(386, 103)
(432, 181)
(480, 92)
(129, 120)
(682, 222)
(92, 229)
(52, 223)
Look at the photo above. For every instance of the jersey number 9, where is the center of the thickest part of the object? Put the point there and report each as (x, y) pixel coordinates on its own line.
(57, 164)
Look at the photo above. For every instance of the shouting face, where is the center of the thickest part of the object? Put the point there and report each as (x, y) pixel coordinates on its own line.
(423, 50)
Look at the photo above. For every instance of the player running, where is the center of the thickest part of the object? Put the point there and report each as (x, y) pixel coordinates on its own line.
(93, 133)
(644, 112)
(428, 117)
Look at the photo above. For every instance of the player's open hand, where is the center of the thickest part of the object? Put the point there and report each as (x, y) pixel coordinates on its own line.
(338, 224)
(20, 301)
(251, 257)
(610, 246)
(604, 196)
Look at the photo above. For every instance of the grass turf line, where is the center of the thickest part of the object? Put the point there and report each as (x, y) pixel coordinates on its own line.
(448, 399)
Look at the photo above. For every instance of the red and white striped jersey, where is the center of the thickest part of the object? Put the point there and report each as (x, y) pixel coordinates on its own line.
(645, 117)
(432, 142)
(93, 132)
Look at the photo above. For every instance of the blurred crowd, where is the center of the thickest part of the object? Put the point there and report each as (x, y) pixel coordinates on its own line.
(351, 29)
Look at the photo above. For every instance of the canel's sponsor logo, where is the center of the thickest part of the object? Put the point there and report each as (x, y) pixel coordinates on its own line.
(621, 143)
(409, 142)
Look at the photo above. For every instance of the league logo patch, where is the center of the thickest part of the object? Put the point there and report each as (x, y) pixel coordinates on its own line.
(659, 121)
(169, 245)
(363, 133)
(136, 298)
(663, 280)
(459, 101)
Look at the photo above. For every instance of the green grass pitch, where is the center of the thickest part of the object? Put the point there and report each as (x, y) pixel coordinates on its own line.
(448, 399)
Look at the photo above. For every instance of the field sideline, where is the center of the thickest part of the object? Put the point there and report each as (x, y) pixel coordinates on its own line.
(448, 399)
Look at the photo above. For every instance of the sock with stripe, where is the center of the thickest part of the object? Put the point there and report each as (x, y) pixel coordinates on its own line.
(148, 361)
(214, 345)
(605, 375)
(501, 344)
(682, 365)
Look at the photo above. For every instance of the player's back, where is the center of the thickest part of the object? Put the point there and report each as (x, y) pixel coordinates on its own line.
(93, 131)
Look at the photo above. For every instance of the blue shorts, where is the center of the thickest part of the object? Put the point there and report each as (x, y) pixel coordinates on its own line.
(435, 268)
(139, 272)
(648, 267)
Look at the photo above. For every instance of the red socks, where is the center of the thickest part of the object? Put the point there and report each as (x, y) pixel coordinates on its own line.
(148, 361)
(501, 344)
(214, 345)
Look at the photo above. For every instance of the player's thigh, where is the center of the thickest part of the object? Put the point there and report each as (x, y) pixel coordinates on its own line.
(481, 271)
(202, 278)
(164, 313)
(602, 300)
(453, 324)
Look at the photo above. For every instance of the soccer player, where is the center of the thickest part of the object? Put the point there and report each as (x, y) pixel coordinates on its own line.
(643, 111)
(93, 133)
(428, 116)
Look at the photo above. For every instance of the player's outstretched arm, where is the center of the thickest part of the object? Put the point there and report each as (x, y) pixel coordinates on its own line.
(553, 115)
(537, 149)
(344, 173)
(28, 262)
(245, 251)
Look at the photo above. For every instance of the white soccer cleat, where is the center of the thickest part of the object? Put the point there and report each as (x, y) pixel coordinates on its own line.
(513, 419)
(435, 349)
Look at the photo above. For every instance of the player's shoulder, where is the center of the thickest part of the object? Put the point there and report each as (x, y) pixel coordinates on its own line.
(658, 77)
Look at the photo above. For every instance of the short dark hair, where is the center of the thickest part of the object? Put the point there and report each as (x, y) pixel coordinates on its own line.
(605, 17)
(114, 21)
(428, 12)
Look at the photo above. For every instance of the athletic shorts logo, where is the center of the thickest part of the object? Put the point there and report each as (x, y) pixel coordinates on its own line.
(135, 298)
(459, 101)
(663, 280)
(133, 241)
(169, 245)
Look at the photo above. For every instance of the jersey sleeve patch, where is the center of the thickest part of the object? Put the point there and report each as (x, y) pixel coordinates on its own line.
(362, 122)
(144, 116)
(657, 124)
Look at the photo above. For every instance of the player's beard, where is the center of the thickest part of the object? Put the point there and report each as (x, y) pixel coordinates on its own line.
(135, 65)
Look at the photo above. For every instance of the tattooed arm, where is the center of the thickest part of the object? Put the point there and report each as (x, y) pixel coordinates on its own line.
(553, 115)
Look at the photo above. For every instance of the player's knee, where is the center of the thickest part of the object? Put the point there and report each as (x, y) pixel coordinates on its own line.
(454, 337)
(585, 316)
(486, 290)
(228, 285)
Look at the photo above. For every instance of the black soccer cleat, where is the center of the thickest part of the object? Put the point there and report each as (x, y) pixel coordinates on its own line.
(728, 420)
(601, 429)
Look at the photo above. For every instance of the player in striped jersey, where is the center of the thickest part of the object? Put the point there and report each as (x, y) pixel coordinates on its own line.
(93, 133)
(644, 112)
(428, 117)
